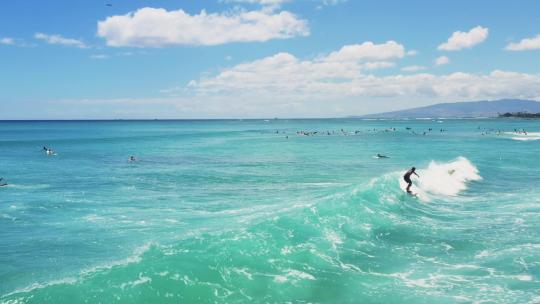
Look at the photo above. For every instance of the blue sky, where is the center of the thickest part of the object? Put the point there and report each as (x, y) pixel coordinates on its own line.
(260, 58)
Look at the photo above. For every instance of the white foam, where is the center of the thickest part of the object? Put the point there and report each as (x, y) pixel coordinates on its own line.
(33, 286)
(293, 274)
(333, 238)
(443, 179)
(141, 280)
(244, 272)
(135, 258)
(93, 218)
(29, 187)
(7, 216)
(524, 136)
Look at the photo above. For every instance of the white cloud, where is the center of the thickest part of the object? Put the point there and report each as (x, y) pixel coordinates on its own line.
(285, 79)
(290, 95)
(525, 44)
(15, 42)
(462, 40)
(155, 27)
(99, 56)
(368, 51)
(131, 53)
(277, 88)
(442, 60)
(412, 53)
(7, 41)
(339, 83)
(413, 68)
(288, 74)
(57, 39)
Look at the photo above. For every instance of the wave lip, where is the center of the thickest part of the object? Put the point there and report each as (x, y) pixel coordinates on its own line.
(444, 179)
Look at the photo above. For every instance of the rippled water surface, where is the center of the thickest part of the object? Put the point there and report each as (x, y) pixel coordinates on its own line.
(254, 212)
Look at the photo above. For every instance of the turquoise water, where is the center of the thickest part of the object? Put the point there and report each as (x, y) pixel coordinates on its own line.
(233, 212)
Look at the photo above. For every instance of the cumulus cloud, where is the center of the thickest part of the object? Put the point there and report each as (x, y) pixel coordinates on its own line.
(338, 83)
(463, 40)
(57, 39)
(525, 44)
(368, 51)
(156, 27)
(290, 95)
(442, 60)
(413, 68)
(7, 41)
(339, 76)
(288, 74)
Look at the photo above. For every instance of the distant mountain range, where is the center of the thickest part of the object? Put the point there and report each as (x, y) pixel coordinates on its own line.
(464, 109)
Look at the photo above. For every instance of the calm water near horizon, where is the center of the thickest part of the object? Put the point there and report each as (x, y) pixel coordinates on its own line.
(250, 211)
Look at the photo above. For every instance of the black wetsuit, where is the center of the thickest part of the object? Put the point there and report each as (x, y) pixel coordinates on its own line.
(407, 176)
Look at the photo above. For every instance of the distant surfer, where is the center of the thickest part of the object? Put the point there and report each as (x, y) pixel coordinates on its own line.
(381, 156)
(132, 158)
(407, 178)
(1, 183)
(48, 151)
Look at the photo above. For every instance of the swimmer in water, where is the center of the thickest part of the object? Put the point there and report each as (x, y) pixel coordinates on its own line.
(48, 151)
(382, 156)
(2, 184)
(132, 158)
(407, 178)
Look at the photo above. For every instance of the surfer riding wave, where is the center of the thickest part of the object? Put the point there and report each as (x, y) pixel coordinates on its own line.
(440, 179)
(407, 178)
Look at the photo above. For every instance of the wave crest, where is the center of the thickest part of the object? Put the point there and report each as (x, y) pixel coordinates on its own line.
(444, 179)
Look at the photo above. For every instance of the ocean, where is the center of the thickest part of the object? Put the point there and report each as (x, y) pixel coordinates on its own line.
(270, 211)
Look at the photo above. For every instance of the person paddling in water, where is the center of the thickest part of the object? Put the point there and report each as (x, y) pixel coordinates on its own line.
(48, 151)
(407, 178)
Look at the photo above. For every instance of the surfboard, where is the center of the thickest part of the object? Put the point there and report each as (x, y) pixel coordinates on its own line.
(415, 191)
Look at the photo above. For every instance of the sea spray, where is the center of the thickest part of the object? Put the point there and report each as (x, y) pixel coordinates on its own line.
(443, 179)
(448, 178)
